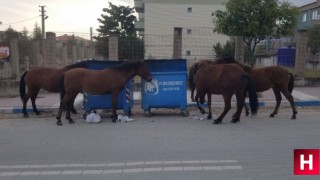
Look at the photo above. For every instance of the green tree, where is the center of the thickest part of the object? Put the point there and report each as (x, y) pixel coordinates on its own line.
(24, 43)
(71, 42)
(36, 34)
(10, 34)
(226, 49)
(314, 39)
(254, 20)
(119, 20)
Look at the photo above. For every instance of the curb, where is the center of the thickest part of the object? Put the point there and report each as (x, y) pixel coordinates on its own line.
(192, 104)
(265, 103)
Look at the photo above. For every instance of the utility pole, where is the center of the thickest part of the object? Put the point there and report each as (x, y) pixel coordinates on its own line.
(43, 18)
(91, 43)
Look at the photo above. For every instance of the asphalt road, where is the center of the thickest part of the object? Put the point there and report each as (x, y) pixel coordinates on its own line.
(165, 146)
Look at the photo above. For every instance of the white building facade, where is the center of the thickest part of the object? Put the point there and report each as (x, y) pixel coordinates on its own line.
(162, 21)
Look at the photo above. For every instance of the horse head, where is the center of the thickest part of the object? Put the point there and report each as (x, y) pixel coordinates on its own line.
(144, 72)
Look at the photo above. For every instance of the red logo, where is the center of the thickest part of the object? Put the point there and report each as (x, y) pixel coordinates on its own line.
(306, 162)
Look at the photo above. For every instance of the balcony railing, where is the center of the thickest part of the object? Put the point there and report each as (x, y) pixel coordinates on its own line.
(139, 6)
(139, 25)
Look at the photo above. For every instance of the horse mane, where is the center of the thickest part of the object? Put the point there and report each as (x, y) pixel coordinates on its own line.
(126, 66)
(227, 59)
(81, 64)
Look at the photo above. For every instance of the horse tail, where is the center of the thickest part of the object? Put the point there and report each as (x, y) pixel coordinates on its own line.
(253, 98)
(291, 82)
(62, 89)
(22, 86)
(192, 85)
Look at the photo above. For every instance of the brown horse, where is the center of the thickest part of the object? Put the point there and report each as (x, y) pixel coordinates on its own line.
(96, 82)
(42, 78)
(275, 77)
(225, 79)
(191, 75)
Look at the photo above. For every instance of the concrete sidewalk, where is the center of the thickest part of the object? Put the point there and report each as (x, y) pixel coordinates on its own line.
(304, 96)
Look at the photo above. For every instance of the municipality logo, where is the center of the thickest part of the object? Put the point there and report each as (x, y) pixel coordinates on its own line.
(151, 88)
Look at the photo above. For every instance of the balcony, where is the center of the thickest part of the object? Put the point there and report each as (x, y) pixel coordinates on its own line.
(139, 25)
(141, 16)
(139, 6)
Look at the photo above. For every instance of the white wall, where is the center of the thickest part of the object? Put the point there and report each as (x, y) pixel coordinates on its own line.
(160, 20)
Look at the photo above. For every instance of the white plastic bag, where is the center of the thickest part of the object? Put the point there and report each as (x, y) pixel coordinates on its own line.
(93, 118)
(123, 118)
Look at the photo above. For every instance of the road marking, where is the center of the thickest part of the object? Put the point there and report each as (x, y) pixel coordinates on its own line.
(118, 164)
(118, 167)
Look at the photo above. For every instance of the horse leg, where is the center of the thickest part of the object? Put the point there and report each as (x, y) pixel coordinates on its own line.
(244, 95)
(192, 94)
(289, 97)
(240, 103)
(227, 107)
(246, 108)
(61, 108)
(69, 108)
(72, 109)
(278, 100)
(198, 104)
(114, 115)
(24, 102)
(209, 106)
(244, 104)
(33, 98)
(64, 102)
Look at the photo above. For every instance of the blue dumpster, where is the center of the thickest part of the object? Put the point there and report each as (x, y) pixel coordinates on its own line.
(125, 97)
(168, 88)
(286, 56)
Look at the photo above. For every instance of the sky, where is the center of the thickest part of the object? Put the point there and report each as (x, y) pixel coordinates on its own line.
(64, 16)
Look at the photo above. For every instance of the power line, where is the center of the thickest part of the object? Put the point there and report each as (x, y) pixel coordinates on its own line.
(20, 21)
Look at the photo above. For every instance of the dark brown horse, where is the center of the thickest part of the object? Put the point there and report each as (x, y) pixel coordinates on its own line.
(225, 79)
(275, 77)
(42, 78)
(96, 82)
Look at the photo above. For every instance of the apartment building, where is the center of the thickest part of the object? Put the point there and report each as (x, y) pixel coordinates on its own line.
(178, 28)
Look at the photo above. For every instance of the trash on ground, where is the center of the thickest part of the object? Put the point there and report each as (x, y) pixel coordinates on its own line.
(122, 118)
(93, 117)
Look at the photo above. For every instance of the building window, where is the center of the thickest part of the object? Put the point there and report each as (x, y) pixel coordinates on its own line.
(188, 53)
(314, 14)
(304, 17)
(189, 9)
(189, 31)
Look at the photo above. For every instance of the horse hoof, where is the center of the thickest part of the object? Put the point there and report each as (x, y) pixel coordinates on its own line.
(293, 117)
(247, 113)
(114, 118)
(59, 123)
(71, 121)
(73, 111)
(217, 122)
(235, 120)
(209, 116)
(147, 113)
(38, 113)
(202, 111)
(272, 115)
